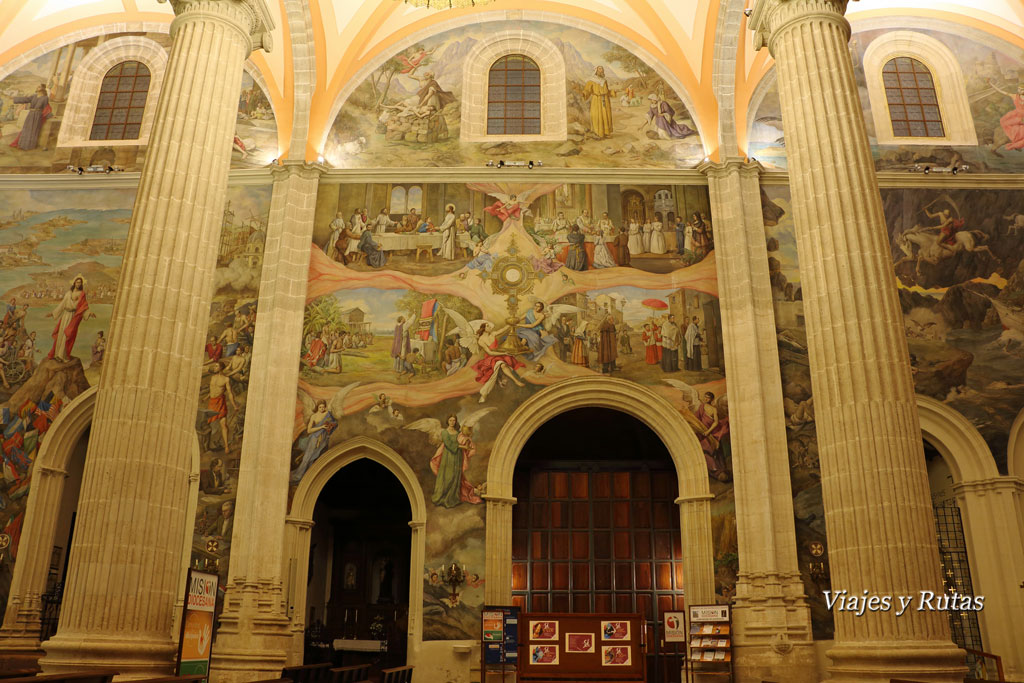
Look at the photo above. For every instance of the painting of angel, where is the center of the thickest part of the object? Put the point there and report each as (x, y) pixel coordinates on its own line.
(321, 421)
(455, 448)
(481, 337)
(713, 415)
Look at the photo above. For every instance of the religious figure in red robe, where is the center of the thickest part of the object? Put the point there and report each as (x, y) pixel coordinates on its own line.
(69, 314)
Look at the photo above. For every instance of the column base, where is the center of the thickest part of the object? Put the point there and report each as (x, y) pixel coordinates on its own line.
(880, 661)
(254, 638)
(131, 656)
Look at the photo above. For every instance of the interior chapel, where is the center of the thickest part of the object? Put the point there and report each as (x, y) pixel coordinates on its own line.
(605, 315)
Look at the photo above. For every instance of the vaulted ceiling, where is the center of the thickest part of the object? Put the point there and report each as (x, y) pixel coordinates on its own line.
(323, 48)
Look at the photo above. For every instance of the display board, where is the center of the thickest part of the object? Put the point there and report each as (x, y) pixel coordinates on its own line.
(582, 647)
(196, 637)
(499, 638)
(710, 635)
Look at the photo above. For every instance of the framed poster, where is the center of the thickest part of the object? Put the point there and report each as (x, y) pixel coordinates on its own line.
(616, 655)
(579, 642)
(675, 627)
(614, 630)
(543, 630)
(196, 639)
(544, 654)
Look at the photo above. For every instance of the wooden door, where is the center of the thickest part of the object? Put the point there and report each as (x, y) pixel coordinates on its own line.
(600, 538)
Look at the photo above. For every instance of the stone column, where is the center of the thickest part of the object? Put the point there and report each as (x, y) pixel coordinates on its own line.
(996, 552)
(878, 510)
(771, 620)
(498, 552)
(123, 578)
(698, 550)
(253, 639)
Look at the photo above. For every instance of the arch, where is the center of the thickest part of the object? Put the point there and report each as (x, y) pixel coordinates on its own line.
(20, 630)
(465, 19)
(475, 74)
(85, 89)
(957, 440)
(632, 399)
(300, 521)
(958, 123)
(1015, 448)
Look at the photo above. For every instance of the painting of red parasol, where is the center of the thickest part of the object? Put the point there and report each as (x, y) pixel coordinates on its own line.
(655, 304)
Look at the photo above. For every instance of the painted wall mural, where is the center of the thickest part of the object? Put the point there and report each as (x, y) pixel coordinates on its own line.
(994, 79)
(34, 97)
(428, 342)
(220, 419)
(408, 111)
(959, 262)
(60, 257)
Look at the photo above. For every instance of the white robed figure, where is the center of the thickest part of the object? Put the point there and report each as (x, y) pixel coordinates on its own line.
(636, 239)
(448, 234)
(657, 238)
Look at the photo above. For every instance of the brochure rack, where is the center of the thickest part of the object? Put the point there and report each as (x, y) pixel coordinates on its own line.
(710, 645)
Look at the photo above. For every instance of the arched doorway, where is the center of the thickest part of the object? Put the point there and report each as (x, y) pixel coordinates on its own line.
(358, 573)
(595, 528)
(318, 576)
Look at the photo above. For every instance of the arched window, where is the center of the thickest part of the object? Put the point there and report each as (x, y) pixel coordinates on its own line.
(122, 102)
(398, 200)
(513, 96)
(913, 102)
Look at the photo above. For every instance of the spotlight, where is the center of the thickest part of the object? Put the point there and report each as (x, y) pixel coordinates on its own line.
(110, 169)
(273, 162)
(955, 170)
(501, 163)
(747, 12)
(490, 163)
(531, 164)
(927, 169)
(707, 159)
(80, 170)
(320, 159)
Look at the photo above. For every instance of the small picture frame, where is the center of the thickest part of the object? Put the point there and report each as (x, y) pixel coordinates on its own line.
(616, 655)
(544, 630)
(544, 655)
(579, 643)
(614, 630)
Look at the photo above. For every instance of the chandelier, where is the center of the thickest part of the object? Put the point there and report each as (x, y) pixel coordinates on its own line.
(446, 4)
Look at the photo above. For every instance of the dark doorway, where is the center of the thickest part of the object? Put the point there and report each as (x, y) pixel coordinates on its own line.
(596, 527)
(359, 566)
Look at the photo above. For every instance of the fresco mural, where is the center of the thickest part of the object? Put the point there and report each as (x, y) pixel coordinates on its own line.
(993, 79)
(963, 309)
(34, 97)
(60, 256)
(430, 359)
(224, 386)
(408, 111)
(435, 229)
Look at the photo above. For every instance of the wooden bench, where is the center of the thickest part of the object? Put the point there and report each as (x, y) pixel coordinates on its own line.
(400, 674)
(99, 676)
(175, 679)
(310, 673)
(351, 674)
(424, 248)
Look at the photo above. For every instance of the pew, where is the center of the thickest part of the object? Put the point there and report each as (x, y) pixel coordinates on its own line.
(400, 674)
(309, 673)
(351, 674)
(101, 676)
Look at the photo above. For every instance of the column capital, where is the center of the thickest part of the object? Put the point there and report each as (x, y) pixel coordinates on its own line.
(995, 485)
(699, 498)
(301, 524)
(770, 18)
(303, 169)
(499, 500)
(741, 165)
(251, 17)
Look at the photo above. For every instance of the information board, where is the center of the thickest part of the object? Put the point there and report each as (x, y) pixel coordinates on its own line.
(196, 638)
(499, 638)
(582, 647)
(675, 627)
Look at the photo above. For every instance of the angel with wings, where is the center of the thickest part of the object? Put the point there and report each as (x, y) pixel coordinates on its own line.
(533, 326)
(321, 420)
(714, 419)
(510, 206)
(455, 447)
(481, 338)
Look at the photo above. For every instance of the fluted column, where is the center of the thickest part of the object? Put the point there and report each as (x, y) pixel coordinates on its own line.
(253, 640)
(771, 620)
(698, 553)
(498, 550)
(877, 506)
(123, 577)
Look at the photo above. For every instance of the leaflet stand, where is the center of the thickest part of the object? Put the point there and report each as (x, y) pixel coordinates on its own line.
(499, 644)
(710, 633)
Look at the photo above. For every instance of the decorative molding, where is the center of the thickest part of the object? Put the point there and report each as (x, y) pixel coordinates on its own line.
(950, 89)
(957, 440)
(1015, 447)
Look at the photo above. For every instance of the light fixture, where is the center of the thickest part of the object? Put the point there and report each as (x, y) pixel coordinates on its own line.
(320, 159)
(446, 4)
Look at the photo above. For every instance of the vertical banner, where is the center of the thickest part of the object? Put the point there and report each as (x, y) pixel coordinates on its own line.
(197, 624)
